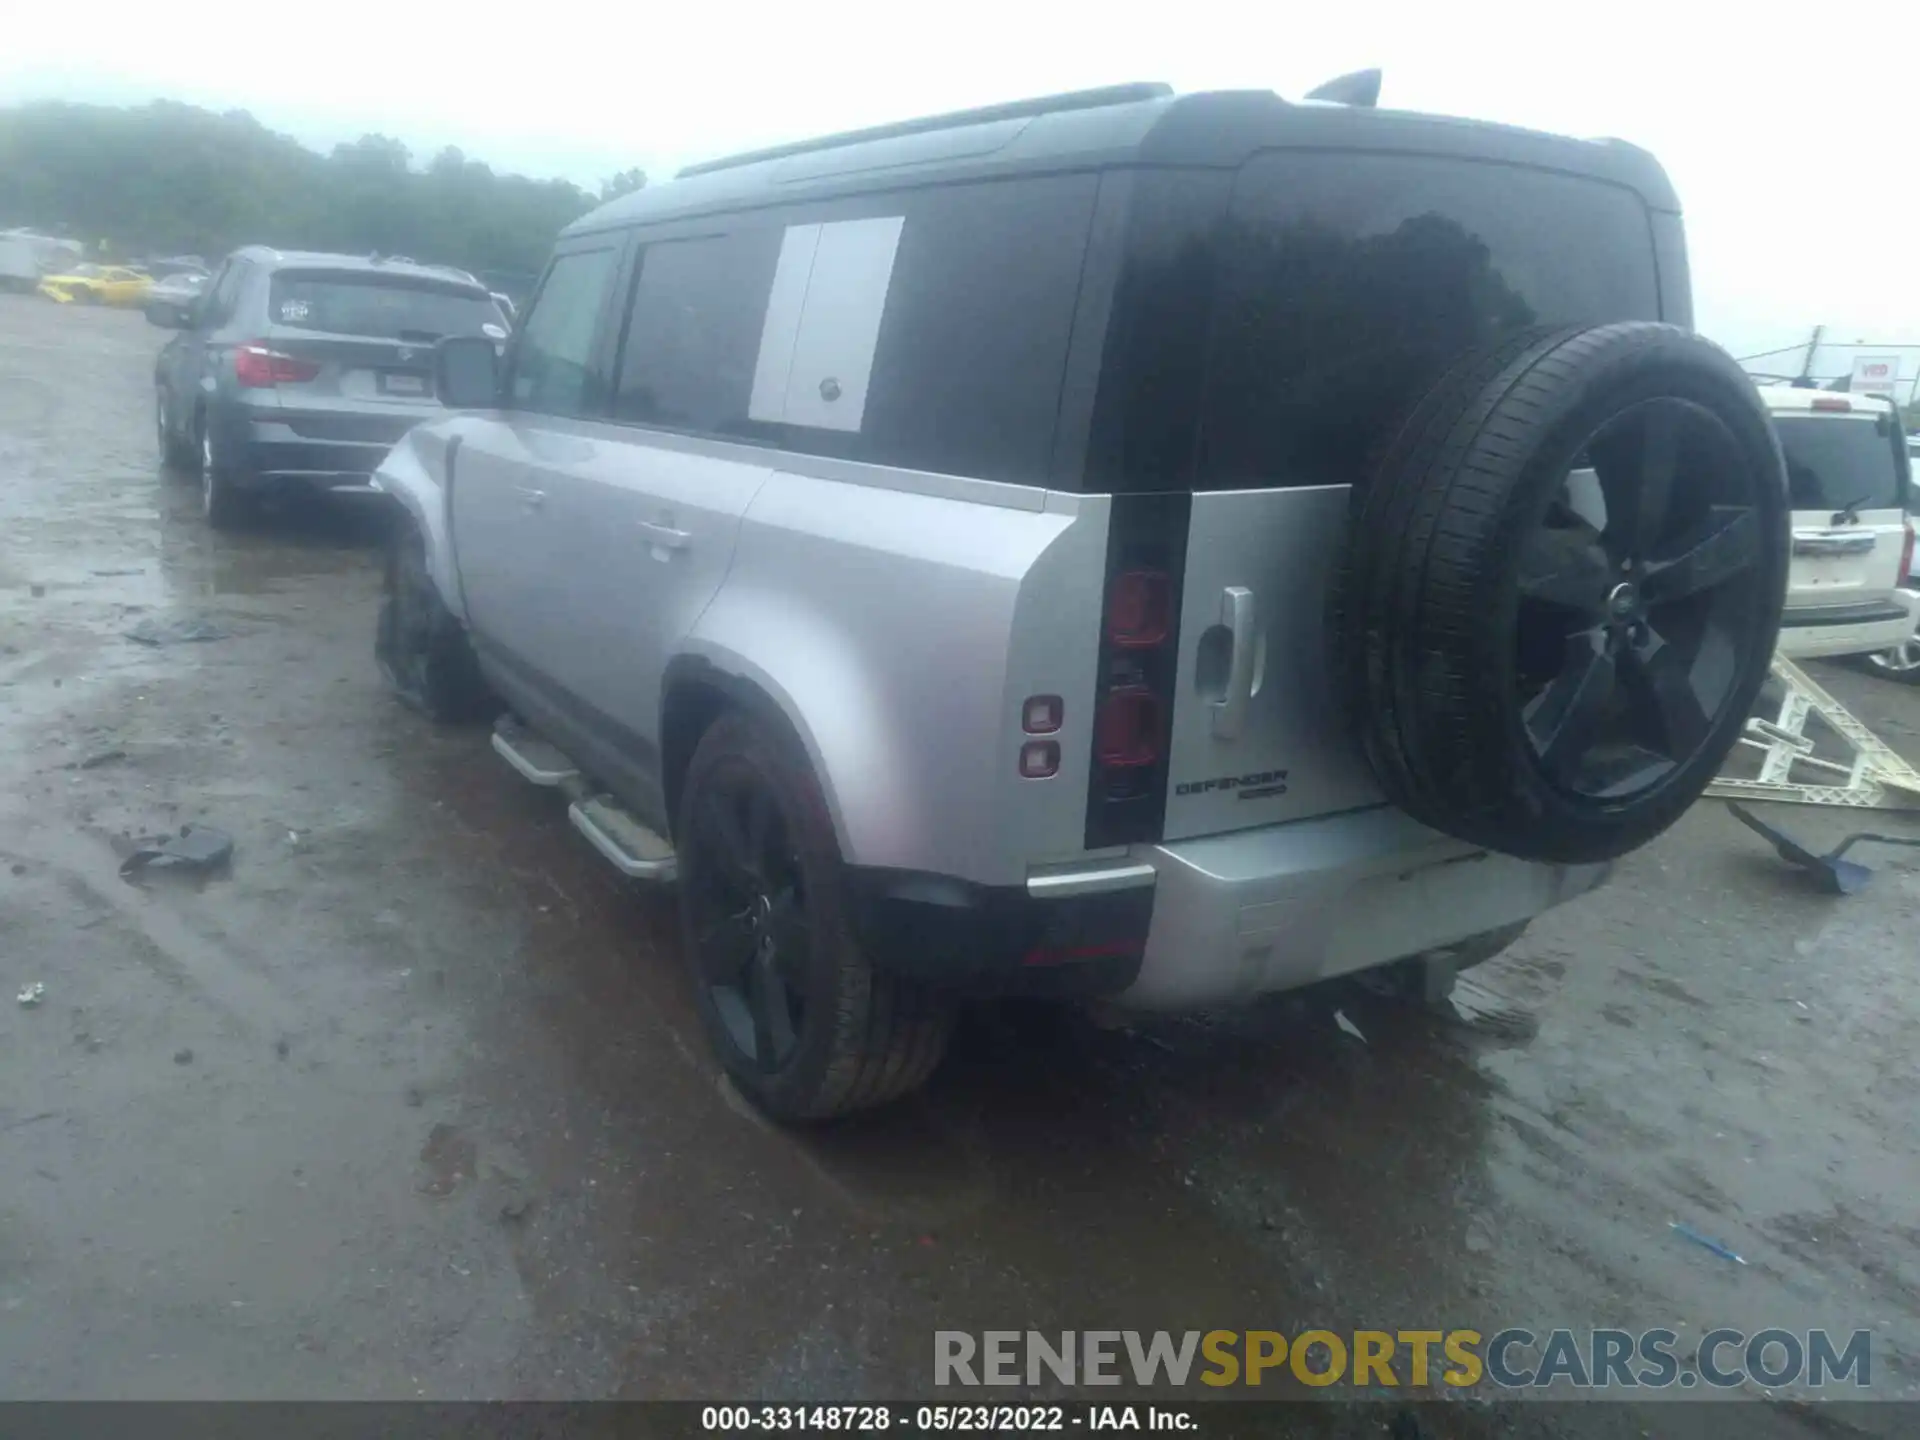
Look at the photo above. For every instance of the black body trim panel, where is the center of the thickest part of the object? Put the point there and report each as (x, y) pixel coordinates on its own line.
(998, 939)
(1816, 617)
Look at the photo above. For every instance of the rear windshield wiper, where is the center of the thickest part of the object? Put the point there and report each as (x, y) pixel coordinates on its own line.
(1849, 513)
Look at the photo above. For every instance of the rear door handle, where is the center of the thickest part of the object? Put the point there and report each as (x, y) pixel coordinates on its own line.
(1834, 542)
(665, 537)
(531, 499)
(1230, 710)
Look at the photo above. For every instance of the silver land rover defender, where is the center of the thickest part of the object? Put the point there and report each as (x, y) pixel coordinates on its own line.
(1125, 545)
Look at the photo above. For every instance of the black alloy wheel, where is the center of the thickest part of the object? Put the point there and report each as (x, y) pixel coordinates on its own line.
(1631, 619)
(750, 923)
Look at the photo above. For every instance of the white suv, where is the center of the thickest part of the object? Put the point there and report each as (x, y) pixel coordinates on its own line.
(1847, 479)
(1116, 545)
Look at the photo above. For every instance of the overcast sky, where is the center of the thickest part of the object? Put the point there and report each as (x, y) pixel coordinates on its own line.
(1784, 139)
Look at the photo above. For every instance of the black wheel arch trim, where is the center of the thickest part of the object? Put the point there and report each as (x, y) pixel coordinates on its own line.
(684, 719)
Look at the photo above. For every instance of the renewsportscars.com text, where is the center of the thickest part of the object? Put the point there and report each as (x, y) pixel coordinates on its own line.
(1458, 1359)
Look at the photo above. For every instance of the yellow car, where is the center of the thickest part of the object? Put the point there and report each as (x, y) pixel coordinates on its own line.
(97, 285)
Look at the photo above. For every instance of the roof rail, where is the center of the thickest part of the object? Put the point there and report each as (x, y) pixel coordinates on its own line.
(1013, 110)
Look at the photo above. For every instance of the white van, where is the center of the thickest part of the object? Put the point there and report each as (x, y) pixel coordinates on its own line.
(1847, 476)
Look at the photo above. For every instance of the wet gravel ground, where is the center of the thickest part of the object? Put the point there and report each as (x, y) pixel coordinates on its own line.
(413, 1102)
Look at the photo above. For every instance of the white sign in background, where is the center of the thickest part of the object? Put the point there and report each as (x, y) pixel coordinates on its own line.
(1875, 375)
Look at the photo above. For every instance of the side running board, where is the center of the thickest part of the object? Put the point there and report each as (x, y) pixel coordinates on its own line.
(633, 849)
(536, 760)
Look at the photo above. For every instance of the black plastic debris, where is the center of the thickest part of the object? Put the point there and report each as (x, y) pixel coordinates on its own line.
(197, 849)
(1833, 874)
(175, 632)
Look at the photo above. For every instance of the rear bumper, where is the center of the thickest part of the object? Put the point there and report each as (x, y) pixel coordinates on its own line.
(1209, 922)
(1239, 915)
(1809, 634)
(334, 452)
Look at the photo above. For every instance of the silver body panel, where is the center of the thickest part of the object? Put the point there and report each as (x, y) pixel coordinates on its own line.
(1239, 915)
(898, 620)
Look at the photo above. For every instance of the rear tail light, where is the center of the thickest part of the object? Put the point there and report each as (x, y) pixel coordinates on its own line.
(1126, 734)
(1139, 644)
(1044, 955)
(1906, 555)
(258, 367)
(1138, 608)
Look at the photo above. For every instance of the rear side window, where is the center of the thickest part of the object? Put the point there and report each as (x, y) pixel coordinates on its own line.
(693, 332)
(926, 330)
(971, 348)
(552, 364)
(1841, 462)
(380, 307)
(1350, 281)
(217, 309)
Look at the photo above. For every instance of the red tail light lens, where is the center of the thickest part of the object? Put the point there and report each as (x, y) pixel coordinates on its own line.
(258, 367)
(1127, 733)
(1138, 609)
(1906, 555)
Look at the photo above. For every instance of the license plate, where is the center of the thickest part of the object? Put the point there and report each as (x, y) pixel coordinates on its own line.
(398, 383)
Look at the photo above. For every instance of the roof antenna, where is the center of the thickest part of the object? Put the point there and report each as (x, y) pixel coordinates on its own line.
(1362, 87)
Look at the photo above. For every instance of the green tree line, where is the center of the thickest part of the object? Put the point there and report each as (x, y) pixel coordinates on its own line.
(168, 178)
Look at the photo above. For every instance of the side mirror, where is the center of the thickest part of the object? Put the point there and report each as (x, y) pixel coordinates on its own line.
(169, 316)
(466, 372)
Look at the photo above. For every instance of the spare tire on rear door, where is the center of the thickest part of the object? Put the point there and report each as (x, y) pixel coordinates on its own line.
(1562, 587)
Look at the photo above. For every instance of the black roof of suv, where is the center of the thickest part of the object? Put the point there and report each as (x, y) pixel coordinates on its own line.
(1129, 125)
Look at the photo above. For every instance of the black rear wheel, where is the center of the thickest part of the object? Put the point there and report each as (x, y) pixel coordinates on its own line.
(175, 453)
(222, 502)
(802, 1022)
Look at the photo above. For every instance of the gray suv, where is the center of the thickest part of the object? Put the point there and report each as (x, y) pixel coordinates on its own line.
(296, 369)
(1165, 549)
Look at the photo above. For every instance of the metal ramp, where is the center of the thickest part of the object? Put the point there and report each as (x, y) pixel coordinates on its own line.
(1874, 779)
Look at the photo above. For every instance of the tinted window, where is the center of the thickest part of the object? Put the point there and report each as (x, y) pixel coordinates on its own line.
(1349, 282)
(1840, 462)
(553, 358)
(388, 308)
(972, 344)
(973, 288)
(693, 332)
(218, 305)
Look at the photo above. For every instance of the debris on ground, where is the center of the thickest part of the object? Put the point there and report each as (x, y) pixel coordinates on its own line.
(1340, 1019)
(1833, 875)
(1475, 1003)
(175, 632)
(183, 1057)
(99, 758)
(196, 849)
(29, 995)
(1687, 1232)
